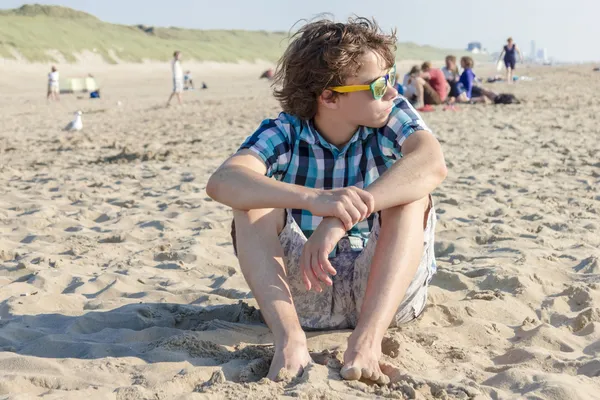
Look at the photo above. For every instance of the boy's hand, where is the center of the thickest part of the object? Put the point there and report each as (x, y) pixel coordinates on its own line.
(350, 205)
(314, 262)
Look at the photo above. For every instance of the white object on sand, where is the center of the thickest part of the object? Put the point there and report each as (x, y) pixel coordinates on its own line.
(499, 65)
(76, 124)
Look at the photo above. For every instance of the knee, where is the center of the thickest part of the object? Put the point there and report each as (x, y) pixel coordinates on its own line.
(420, 206)
(264, 219)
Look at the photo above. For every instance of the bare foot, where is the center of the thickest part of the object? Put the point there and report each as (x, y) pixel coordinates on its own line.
(361, 360)
(292, 357)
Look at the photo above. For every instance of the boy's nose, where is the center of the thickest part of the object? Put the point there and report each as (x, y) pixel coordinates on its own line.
(391, 92)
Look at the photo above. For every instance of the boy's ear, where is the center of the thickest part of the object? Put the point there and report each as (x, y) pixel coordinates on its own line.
(329, 99)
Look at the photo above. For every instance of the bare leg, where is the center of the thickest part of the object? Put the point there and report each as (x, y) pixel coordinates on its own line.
(170, 98)
(488, 93)
(420, 93)
(509, 75)
(480, 99)
(179, 98)
(261, 261)
(396, 259)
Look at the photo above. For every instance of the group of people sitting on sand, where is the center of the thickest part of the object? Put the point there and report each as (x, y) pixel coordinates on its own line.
(425, 86)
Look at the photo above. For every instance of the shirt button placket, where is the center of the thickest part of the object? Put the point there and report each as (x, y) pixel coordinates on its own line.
(339, 165)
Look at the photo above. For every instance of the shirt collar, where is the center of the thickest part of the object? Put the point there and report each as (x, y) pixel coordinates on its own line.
(310, 135)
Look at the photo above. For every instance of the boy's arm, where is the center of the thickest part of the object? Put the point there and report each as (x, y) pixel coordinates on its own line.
(241, 184)
(421, 169)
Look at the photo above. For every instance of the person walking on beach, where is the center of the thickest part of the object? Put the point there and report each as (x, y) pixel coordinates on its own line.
(333, 222)
(509, 51)
(177, 78)
(53, 88)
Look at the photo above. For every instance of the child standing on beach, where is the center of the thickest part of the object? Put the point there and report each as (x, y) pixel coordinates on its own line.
(53, 88)
(333, 220)
(177, 78)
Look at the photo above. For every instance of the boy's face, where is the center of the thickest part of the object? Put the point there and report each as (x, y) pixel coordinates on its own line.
(361, 108)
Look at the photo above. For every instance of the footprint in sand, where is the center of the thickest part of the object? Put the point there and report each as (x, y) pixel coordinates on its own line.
(589, 265)
(584, 318)
(579, 297)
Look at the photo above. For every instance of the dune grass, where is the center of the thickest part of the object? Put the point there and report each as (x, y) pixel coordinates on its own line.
(38, 33)
(33, 36)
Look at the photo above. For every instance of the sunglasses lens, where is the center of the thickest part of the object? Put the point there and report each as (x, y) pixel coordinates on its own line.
(379, 87)
(393, 76)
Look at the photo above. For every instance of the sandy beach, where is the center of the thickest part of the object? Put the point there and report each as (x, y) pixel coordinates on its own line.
(118, 278)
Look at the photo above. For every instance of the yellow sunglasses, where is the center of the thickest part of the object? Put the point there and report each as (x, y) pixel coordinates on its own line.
(378, 87)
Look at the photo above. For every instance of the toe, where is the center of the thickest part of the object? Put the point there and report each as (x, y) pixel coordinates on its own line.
(350, 373)
(383, 379)
(366, 373)
(375, 376)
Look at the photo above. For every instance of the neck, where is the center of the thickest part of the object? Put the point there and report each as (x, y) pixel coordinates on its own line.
(335, 131)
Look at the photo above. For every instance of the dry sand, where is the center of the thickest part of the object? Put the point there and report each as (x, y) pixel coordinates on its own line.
(118, 279)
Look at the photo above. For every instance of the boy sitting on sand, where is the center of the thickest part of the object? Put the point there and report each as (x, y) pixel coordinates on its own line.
(342, 237)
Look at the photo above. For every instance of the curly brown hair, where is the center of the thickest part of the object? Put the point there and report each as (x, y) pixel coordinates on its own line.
(323, 54)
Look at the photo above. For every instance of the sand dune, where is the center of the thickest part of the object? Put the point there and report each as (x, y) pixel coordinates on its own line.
(118, 279)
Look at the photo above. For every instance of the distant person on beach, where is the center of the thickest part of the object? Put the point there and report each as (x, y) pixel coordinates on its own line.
(452, 75)
(177, 78)
(473, 93)
(436, 79)
(333, 222)
(53, 89)
(450, 69)
(420, 92)
(188, 81)
(409, 82)
(268, 74)
(509, 51)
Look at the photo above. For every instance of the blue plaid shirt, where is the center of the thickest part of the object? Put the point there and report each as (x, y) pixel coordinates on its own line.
(294, 152)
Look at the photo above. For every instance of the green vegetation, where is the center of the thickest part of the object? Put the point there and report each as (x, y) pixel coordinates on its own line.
(37, 32)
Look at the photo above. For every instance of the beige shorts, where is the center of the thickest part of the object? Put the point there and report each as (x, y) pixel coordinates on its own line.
(338, 306)
(177, 85)
(52, 88)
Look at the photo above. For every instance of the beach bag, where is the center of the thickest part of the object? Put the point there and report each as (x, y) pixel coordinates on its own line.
(506, 98)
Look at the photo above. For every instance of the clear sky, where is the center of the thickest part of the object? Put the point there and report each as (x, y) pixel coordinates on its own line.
(568, 29)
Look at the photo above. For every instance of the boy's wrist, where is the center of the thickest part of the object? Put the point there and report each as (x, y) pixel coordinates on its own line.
(335, 224)
(307, 197)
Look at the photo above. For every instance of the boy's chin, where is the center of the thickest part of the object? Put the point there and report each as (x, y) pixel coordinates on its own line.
(377, 123)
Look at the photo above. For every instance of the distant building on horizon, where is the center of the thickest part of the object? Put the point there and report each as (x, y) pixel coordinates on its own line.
(474, 47)
(542, 55)
(533, 53)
